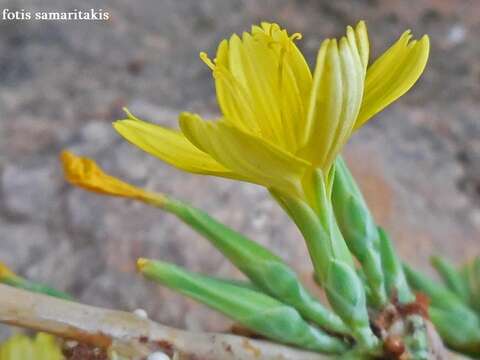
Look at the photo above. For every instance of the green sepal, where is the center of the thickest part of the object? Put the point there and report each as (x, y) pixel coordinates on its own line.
(264, 269)
(395, 281)
(22, 283)
(459, 332)
(255, 310)
(346, 295)
(359, 229)
(452, 279)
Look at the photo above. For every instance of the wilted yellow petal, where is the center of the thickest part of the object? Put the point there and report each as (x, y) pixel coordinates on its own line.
(22, 347)
(85, 173)
(393, 74)
(170, 146)
(251, 157)
(335, 98)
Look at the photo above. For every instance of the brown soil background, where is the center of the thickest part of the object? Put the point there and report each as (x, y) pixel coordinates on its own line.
(62, 84)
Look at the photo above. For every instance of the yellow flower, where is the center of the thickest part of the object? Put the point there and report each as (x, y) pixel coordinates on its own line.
(21, 347)
(279, 122)
(85, 173)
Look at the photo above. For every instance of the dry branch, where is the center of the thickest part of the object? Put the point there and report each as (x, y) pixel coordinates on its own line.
(130, 335)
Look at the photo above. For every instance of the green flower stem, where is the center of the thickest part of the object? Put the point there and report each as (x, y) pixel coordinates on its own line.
(318, 227)
(359, 229)
(264, 269)
(255, 310)
(395, 280)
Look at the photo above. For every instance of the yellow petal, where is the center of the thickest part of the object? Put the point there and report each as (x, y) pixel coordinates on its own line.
(251, 157)
(234, 100)
(85, 173)
(358, 38)
(393, 74)
(262, 82)
(335, 98)
(170, 146)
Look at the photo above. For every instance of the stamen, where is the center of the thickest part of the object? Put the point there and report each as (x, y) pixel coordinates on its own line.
(129, 114)
(296, 36)
(207, 60)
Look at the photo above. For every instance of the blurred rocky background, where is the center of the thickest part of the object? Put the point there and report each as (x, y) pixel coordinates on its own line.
(63, 83)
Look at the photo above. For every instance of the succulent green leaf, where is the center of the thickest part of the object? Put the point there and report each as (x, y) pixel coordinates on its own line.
(255, 310)
(395, 280)
(451, 277)
(440, 296)
(22, 283)
(266, 270)
(359, 229)
(460, 332)
(346, 295)
(472, 273)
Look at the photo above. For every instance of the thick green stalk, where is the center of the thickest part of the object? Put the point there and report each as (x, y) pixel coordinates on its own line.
(255, 310)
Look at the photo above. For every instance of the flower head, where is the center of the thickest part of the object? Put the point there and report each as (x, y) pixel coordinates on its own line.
(279, 121)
